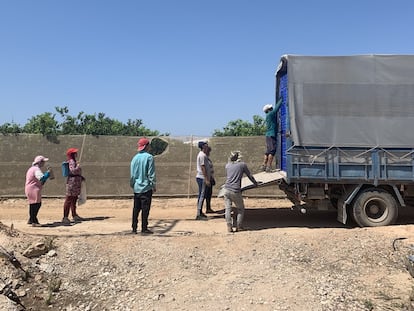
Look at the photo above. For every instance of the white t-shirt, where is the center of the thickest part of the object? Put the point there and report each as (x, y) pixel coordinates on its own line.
(202, 160)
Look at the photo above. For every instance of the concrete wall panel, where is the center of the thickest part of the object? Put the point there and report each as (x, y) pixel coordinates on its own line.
(105, 163)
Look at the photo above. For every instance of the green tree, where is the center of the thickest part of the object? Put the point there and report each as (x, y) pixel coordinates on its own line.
(90, 124)
(243, 128)
(10, 128)
(44, 124)
(99, 124)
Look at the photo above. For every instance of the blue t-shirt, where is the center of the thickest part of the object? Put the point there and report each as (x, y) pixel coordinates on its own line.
(142, 172)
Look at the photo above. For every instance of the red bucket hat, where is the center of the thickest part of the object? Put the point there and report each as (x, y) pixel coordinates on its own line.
(142, 143)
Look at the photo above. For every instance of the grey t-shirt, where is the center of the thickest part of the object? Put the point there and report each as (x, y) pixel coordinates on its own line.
(234, 173)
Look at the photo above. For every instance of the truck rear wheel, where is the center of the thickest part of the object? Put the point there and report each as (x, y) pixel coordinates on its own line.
(375, 207)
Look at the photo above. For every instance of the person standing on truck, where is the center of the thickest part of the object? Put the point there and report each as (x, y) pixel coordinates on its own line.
(235, 169)
(143, 182)
(271, 134)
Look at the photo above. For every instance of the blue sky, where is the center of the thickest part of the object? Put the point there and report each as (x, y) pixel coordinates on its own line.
(184, 67)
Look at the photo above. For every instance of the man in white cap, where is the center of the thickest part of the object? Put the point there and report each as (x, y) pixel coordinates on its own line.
(271, 131)
(235, 169)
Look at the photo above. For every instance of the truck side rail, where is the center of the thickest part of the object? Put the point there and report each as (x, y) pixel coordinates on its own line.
(333, 164)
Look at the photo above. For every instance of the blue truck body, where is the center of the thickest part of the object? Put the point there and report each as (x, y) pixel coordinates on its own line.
(349, 145)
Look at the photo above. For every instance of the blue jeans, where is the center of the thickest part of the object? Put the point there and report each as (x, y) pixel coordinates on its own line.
(201, 194)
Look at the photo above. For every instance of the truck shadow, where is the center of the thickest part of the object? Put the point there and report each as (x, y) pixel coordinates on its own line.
(267, 218)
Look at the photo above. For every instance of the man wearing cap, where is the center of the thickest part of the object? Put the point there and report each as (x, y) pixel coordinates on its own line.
(203, 177)
(235, 169)
(35, 179)
(271, 131)
(143, 181)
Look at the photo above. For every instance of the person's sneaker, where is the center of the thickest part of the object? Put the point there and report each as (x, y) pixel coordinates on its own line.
(77, 218)
(238, 229)
(210, 211)
(147, 231)
(29, 222)
(35, 224)
(134, 231)
(66, 221)
(268, 169)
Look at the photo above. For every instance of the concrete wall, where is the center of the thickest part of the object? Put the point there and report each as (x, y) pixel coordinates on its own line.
(105, 163)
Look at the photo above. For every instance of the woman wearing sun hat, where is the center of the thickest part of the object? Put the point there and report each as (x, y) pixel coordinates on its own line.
(73, 186)
(35, 179)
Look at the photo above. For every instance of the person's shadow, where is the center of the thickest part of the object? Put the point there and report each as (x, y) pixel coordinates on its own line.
(72, 223)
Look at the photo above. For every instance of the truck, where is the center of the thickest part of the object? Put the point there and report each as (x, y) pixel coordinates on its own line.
(346, 134)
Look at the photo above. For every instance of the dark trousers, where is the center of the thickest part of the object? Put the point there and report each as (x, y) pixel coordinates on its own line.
(70, 205)
(142, 201)
(208, 194)
(33, 210)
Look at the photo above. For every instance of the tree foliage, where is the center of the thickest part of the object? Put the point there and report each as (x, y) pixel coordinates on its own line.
(44, 124)
(90, 124)
(243, 128)
(10, 128)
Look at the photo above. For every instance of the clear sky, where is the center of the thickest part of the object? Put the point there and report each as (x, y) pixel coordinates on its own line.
(184, 67)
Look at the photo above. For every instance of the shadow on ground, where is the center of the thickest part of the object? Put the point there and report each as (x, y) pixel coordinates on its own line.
(61, 224)
(268, 218)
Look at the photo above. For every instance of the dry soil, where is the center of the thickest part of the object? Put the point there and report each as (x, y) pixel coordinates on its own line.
(285, 260)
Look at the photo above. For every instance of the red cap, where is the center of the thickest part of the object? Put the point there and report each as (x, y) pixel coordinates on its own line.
(142, 143)
(71, 150)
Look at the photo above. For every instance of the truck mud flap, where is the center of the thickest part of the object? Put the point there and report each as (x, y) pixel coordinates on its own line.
(344, 201)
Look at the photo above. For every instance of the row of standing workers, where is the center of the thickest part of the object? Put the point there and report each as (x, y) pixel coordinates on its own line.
(143, 181)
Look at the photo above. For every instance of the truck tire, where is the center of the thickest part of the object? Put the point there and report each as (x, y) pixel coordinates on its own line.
(374, 208)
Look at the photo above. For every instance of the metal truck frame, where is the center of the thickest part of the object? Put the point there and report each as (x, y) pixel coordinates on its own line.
(346, 134)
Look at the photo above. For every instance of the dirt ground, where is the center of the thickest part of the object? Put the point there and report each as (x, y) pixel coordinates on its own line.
(285, 260)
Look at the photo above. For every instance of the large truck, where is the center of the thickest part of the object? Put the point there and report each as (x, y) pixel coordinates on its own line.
(346, 134)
